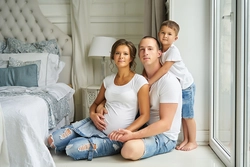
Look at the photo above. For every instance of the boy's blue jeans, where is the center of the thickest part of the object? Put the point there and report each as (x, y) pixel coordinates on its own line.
(188, 101)
(87, 143)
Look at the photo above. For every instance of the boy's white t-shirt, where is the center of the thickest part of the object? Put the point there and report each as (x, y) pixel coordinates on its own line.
(166, 90)
(121, 102)
(178, 68)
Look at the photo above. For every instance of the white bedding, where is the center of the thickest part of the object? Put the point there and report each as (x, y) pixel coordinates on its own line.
(4, 156)
(26, 125)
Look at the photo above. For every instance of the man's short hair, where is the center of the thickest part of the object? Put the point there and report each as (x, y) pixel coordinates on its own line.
(157, 42)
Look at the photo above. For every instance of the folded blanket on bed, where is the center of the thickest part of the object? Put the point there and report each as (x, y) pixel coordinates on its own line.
(58, 109)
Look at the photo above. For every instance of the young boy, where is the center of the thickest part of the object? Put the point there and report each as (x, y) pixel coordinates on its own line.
(172, 61)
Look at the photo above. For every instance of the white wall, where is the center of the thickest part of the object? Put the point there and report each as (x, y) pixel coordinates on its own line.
(124, 19)
(193, 17)
(119, 19)
(57, 12)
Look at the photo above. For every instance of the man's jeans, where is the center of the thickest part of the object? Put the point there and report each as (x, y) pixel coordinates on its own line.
(158, 144)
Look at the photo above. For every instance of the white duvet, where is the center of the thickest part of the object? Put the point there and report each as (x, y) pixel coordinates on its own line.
(26, 127)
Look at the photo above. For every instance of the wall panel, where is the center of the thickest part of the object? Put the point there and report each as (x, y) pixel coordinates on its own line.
(57, 12)
(119, 19)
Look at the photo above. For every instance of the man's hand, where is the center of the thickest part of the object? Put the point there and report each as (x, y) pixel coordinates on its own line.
(101, 109)
(121, 135)
(98, 116)
(98, 120)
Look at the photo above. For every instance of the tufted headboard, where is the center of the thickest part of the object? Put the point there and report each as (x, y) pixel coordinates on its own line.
(23, 20)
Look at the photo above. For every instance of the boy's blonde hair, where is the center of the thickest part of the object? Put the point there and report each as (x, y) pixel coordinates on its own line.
(171, 24)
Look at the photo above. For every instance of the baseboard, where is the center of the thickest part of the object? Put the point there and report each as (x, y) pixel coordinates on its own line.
(202, 137)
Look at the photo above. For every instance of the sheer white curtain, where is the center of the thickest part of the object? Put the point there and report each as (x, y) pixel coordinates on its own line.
(82, 73)
(155, 14)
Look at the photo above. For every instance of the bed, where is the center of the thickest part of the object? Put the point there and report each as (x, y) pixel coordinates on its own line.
(35, 75)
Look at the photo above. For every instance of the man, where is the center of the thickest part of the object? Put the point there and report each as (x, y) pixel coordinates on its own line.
(161, 134)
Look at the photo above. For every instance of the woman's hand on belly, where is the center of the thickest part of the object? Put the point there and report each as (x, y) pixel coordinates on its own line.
(99, 121)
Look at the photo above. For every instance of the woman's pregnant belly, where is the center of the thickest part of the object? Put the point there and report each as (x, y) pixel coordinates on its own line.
(118, 120)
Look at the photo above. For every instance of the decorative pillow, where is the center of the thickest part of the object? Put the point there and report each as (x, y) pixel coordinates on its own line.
(53, 72)
(50, 67)
(4, 63)
(49, 46)
(59, 90)
(18, 63)
(16, 46)
(19, 76)
(2, 45)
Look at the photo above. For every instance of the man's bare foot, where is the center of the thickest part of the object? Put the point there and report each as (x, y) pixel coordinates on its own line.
(189, 146)
(180, 146)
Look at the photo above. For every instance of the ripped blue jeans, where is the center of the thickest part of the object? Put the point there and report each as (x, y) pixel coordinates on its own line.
(82, 140)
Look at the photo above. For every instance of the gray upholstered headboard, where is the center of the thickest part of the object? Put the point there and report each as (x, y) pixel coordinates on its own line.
(23, 20)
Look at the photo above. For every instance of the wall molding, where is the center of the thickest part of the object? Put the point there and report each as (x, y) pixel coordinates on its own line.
(59, 19)
(116, 19)
(50, 2)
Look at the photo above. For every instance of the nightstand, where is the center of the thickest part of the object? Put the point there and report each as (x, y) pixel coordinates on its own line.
(89, 95)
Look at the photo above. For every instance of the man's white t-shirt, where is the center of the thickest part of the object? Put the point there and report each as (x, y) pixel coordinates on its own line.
(166, 90)
(178, 68)
(121, 102)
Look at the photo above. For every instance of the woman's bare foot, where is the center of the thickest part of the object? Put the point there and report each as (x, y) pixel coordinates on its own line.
(189, 146)
(180, 146)
(51, 142)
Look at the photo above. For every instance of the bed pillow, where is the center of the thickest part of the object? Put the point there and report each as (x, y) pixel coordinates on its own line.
(4, 63)
(59, 90)
(19, 76)
(2, 46)
(16, 46)
(50, 67)
(18, 63)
